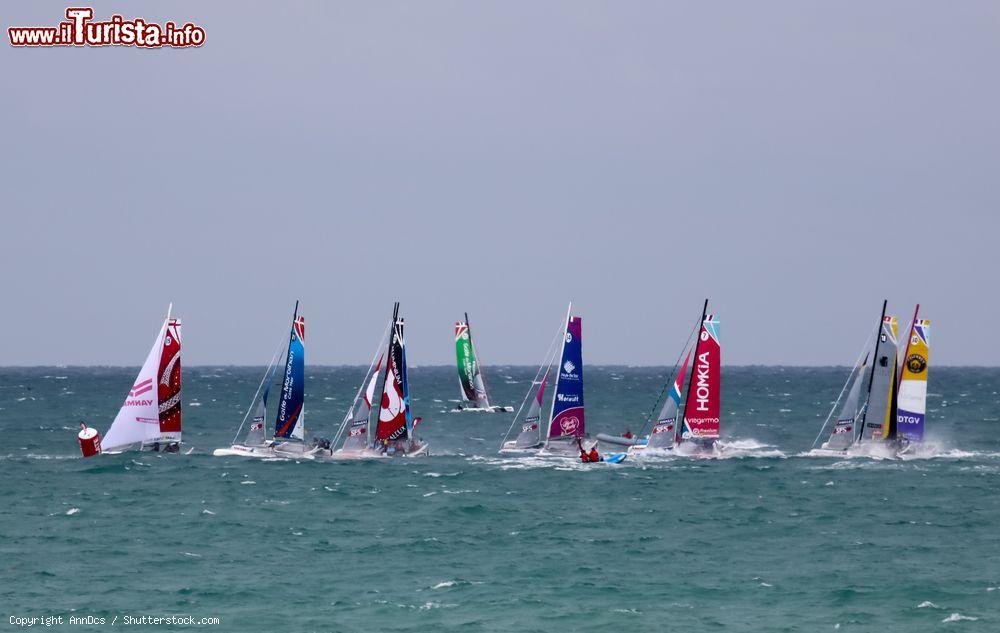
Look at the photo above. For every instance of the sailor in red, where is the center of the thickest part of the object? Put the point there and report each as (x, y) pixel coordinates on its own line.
(594, 456)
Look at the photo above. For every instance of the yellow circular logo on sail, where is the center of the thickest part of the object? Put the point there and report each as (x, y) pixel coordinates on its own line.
(916, 363)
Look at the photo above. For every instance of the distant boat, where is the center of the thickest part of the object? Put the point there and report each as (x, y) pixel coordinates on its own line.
(470, 374)
(394, 425)
(151, 414)
(891, 415)
(288, 436)
(700, 425)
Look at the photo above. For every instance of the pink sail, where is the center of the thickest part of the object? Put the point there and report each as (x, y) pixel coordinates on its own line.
(703, 404)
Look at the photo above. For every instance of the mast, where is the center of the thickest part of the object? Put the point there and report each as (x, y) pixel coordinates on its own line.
(701, 325)
(552, 405)
(871, 376)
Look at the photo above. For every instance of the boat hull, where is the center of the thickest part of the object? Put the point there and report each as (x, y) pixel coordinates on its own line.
(342, 455)
(495, 409)
(267, 452)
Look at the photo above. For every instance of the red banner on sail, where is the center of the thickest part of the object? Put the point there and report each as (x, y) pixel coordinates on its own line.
(169, 379)
(701, 411)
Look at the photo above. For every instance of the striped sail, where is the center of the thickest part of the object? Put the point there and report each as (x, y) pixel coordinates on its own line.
(567, 419)
(882, 395)
(289, 422)
(912, 399)
(529, 434)
(703, 404)
(665, 429)
(842, 435)
(138, 420)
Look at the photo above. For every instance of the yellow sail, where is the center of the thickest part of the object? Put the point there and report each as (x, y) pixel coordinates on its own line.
(912, 399)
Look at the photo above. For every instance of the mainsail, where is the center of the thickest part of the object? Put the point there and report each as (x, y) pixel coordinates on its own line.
(912, 399)
(169, 383)
(469, 373)
(394, 410)
(141, 418)
(662, 435)
(880, 411)
(289, 421)
(566, 418)
(702, 405)
(842, 435)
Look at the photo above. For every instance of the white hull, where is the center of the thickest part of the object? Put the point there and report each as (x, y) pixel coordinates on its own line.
(342, 455)
(511, 448)
(292, 451)
(494, 409)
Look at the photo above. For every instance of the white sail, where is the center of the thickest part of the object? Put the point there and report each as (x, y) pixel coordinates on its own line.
(139, 418)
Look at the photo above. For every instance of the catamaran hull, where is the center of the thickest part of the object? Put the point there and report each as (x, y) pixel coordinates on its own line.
(495, 409)
(511, 448)
(420, 451)
(266, 452)
(617, 440)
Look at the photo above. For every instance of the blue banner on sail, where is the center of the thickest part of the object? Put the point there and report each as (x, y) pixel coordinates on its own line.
(567, 406)
(293, 386)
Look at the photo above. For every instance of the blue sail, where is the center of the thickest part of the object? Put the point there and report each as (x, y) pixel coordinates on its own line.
(567, 404)
(289, 420)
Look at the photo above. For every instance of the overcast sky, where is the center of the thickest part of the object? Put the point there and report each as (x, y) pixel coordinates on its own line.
(796, 162)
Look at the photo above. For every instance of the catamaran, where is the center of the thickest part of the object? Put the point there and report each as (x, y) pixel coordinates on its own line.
(151, 414)
(891, 418)
(288, 437)
(394, 425)
(567, 423)
(700, 425)
(470, 375)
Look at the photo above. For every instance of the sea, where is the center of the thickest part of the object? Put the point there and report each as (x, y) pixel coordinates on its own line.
(763, 537)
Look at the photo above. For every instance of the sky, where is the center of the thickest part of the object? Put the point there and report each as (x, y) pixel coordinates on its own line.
(794, 162)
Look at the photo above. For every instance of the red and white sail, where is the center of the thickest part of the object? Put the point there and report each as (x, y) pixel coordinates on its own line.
(145, 417)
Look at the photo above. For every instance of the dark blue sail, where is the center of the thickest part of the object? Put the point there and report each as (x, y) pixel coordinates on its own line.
(289, 420)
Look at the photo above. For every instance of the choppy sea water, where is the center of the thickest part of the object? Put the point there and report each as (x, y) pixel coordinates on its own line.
(766, 540)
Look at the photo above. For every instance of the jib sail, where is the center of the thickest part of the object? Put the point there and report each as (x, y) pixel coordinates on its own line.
(662, 435)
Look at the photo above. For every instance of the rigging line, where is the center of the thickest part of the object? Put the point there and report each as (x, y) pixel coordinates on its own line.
(546, 363)
(857, 362)
(361, 388)
(274, 358)
(669, 383)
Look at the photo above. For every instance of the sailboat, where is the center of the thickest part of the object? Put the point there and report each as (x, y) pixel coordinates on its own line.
(567, 423)
(288, 437)
(470, 375)
(151, 414)
(394, 424)
(890, 419)
(700, 425)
